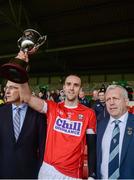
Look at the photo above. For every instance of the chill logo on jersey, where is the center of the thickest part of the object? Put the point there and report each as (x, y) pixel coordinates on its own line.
(67, 126)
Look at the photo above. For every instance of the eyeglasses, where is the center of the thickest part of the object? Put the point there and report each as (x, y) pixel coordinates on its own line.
(10, 88)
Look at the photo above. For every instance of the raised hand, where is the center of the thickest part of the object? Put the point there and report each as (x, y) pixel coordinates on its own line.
(23, 56)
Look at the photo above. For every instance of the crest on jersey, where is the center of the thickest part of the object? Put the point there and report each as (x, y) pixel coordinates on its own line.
(80, 116)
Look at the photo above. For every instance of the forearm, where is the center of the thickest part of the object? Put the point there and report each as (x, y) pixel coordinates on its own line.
(27, 97)
(91, 149)
(36, 103)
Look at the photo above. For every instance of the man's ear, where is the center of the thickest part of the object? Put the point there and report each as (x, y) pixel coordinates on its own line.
(127, 101)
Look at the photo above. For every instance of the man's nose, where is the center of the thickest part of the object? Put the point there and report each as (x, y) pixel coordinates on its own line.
(111, 101)
(72, 87)
(7, 91)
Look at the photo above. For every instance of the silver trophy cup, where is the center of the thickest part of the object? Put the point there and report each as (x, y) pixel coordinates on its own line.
(16, 69)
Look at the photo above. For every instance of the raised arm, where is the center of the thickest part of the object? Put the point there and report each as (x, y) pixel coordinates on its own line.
(34, 102)
(25, 92)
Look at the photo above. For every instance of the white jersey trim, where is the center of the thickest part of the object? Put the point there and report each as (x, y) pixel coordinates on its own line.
(90, 131)
(44, 108)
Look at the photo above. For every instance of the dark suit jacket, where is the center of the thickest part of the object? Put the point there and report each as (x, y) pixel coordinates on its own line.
(21, 159)
(127, 154)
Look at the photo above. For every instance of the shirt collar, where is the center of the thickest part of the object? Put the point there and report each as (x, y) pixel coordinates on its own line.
(123, 118)
(21, 106)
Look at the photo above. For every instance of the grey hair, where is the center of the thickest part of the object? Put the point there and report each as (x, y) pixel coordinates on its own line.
(123, 90)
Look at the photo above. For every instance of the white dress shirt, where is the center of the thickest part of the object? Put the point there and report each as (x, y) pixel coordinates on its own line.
(107, 140)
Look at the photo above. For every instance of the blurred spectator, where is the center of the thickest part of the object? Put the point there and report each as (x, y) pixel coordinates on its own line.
(57, 94)
(49, 96)
(99, 106)
(54, 95)
(94, 97)
(42, 95)
(83, 99)
(61, 97)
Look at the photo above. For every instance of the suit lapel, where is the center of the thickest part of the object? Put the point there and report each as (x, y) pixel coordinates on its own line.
(127, 136)
(101, 128)
(25, 126)
(100, 132)
(9, 118)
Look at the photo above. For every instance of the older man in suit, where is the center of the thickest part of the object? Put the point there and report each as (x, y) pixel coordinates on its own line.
(115, 137)
(21, 143)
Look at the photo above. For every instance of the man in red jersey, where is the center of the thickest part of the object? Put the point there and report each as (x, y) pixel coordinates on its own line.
(69, 125)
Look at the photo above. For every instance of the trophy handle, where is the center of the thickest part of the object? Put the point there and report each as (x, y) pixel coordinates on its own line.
(41, 41)
(16, 69)
(31, 39)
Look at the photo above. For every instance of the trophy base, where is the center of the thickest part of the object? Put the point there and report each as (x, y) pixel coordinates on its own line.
(15, 71)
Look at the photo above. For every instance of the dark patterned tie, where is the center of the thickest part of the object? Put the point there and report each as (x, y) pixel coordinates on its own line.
(16, 122)
(113, 166)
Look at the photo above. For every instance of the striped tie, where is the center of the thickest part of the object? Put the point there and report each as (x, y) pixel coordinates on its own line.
(113, 166)
(16, 122)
